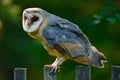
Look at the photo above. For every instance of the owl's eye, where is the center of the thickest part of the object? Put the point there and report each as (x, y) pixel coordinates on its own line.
(35, 18)
(25, 17)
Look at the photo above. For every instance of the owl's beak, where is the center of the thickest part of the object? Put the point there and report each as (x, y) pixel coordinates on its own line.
(29, 23)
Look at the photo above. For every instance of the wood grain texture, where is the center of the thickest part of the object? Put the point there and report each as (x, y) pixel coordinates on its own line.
(20, 74)
(115, 72)
(47, 73)
(83, 73)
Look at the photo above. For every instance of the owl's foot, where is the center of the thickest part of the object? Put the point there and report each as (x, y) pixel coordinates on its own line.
(54, 69)
(56, 65)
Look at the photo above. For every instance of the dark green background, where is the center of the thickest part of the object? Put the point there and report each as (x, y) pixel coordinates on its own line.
(98, 19)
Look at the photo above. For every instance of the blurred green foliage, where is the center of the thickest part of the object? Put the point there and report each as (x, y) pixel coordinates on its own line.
(109, 12)
(99, 20)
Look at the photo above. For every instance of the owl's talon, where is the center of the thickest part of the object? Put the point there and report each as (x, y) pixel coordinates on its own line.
(54, 69)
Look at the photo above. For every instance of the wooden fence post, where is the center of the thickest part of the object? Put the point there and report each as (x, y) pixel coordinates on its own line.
(83, 73)
(47, 74)
(20, 74)
(115, 72)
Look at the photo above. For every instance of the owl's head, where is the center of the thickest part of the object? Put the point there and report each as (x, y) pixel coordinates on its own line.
(32, 19)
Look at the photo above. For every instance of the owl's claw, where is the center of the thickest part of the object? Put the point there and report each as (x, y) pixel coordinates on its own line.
(53, 69)
(55, 66)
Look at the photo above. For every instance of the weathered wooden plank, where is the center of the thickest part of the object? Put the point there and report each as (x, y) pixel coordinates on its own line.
(115, 72)
(20, 74)
(83, 73)
(47, 74)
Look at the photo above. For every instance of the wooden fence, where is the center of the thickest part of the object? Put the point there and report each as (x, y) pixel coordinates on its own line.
(82, 73)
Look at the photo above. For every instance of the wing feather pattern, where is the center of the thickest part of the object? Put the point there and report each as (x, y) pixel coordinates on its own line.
(72, 49)
(67, 37)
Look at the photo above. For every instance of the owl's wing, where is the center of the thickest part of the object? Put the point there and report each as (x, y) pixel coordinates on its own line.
(74, 29)
(67, 38)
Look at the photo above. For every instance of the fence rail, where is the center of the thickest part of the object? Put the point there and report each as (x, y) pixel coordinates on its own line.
(82, 73)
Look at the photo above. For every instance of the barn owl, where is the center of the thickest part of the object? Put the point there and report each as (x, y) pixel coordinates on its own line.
(61, 38)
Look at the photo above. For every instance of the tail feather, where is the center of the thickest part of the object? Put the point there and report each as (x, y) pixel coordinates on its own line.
(95, 58)
(102, 57)
(98, 57)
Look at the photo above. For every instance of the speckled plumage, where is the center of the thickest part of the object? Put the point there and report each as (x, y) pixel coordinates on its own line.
(62, 38)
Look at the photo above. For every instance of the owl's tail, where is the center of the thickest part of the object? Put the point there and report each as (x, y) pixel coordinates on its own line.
(95, 58)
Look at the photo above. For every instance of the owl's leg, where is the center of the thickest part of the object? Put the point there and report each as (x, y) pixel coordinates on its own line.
(57, 63)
